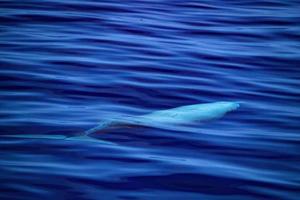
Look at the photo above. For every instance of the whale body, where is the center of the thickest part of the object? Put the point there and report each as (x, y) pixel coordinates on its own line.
(169, 118)
(166, 119)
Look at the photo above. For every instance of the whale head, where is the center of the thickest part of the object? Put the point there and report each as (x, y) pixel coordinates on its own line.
(227, 105)
(214, 110)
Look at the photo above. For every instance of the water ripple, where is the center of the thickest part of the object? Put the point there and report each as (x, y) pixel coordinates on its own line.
(67, 65)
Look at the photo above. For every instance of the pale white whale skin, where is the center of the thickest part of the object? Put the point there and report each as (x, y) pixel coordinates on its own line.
(166, 119)
(170, 117)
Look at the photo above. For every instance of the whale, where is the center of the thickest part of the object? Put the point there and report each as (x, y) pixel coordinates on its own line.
(168, 119)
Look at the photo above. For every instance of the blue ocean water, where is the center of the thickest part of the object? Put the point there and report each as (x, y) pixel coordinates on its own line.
(65, 65)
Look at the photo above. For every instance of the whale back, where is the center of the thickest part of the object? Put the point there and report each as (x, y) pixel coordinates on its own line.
(165, 118)
(196, 112)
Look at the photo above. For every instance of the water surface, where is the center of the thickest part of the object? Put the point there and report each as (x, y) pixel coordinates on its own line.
(66, 65)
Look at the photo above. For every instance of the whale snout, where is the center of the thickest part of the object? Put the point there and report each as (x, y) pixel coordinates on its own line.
(230, 106)
(234, 106)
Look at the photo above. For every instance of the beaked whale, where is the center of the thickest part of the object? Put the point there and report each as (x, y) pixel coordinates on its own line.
(169, 118)
(166, 119)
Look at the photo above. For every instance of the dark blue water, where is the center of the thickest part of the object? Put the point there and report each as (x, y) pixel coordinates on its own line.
(66, 65)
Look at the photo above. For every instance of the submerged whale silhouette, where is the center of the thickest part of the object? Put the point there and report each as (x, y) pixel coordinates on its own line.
(168, 118)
